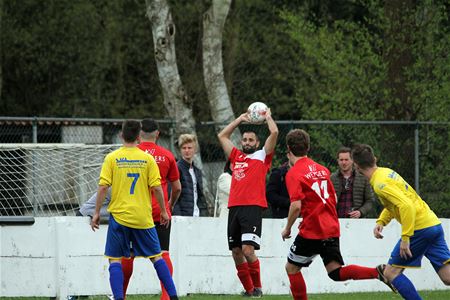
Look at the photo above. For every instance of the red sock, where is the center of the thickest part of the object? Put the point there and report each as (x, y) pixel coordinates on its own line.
(166, 257)
(356, 272)
(255, 273)
(298, 286)
(127, 268)
(245, 278)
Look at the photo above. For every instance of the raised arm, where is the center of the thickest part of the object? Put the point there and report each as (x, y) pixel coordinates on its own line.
(225, 134)
(271, 140)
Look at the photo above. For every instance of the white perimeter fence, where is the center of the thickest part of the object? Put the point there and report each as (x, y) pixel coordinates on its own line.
(60, 256)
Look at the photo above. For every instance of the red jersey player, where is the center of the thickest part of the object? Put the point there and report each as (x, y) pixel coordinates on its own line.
(312, 194)
(247, 199)
(169, 174)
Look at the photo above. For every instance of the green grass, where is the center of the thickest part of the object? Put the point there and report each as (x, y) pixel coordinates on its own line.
(429, 295)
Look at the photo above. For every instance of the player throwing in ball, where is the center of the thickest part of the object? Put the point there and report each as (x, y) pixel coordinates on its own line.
(312, 193)
(247, 198)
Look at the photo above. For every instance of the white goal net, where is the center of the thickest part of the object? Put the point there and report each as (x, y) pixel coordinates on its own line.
(48, 179)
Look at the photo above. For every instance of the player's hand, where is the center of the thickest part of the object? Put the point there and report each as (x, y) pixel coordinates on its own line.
(164, 218)
(405, 252)
(244, 117)
(268, 114)
(356, 214)
(95, 222)
(286, 233)
(377, 231)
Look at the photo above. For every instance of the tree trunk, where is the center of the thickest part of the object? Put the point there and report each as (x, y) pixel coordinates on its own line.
(176, 100)
(219, 101)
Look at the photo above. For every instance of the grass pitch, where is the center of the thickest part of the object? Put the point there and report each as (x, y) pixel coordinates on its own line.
(429, 295)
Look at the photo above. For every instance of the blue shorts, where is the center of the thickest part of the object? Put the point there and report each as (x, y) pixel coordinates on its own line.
(145, 241)
(429, 242)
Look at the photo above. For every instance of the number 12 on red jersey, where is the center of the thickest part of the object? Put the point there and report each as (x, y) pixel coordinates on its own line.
(321, 190)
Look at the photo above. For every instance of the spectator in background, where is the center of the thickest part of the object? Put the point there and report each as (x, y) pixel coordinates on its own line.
(88, 207)
(355, 197)
(191, 201)
(223, 192)
(276, 192)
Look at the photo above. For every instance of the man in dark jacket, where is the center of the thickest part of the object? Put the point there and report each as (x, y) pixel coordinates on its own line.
(191, 201)
(276, 192)
(355, 197)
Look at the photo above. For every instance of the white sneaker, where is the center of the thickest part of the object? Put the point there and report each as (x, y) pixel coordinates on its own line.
(110, 297)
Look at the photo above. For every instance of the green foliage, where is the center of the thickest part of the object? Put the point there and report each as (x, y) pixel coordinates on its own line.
(341, 69)
(308, 60)
(77, 58)
(429, 76)
(262, 67)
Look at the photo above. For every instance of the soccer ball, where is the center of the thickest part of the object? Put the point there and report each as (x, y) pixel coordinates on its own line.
(257, 112)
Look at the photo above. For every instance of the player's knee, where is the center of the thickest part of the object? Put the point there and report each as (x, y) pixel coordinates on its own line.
(248, 251)
(446, 279)
(444, 274)
(291, 268)
(392, 272)
(335, 274)
(236, 252)
(238, 256)
(155, 258)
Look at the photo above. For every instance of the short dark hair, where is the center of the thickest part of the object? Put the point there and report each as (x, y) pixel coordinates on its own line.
(149, 125)
(343, 149)
(298, 142)
(251, 131)
(130, 130)
(363, 156)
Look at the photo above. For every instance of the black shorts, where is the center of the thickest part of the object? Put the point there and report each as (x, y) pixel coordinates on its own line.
(303, 251)
(163, 235)
(244, 226)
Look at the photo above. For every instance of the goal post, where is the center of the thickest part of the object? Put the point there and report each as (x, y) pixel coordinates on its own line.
(48, 179)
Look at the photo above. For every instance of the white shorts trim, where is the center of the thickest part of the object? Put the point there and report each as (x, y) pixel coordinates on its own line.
(301, 259)
(251, 237)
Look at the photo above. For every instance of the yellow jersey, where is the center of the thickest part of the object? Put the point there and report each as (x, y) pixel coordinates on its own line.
(400, 201)
(130, 172)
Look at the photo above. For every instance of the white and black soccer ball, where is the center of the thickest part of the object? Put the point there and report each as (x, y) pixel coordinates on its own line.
(257, 112)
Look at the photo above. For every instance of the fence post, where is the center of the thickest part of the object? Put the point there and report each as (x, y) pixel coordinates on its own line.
(33, 171)
(416, 158)
(34, 124)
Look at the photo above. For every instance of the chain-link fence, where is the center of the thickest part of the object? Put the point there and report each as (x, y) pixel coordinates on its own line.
(416, 150)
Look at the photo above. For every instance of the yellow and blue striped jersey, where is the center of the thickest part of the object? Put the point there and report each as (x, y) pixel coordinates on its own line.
(400, 201)
(130, 172)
